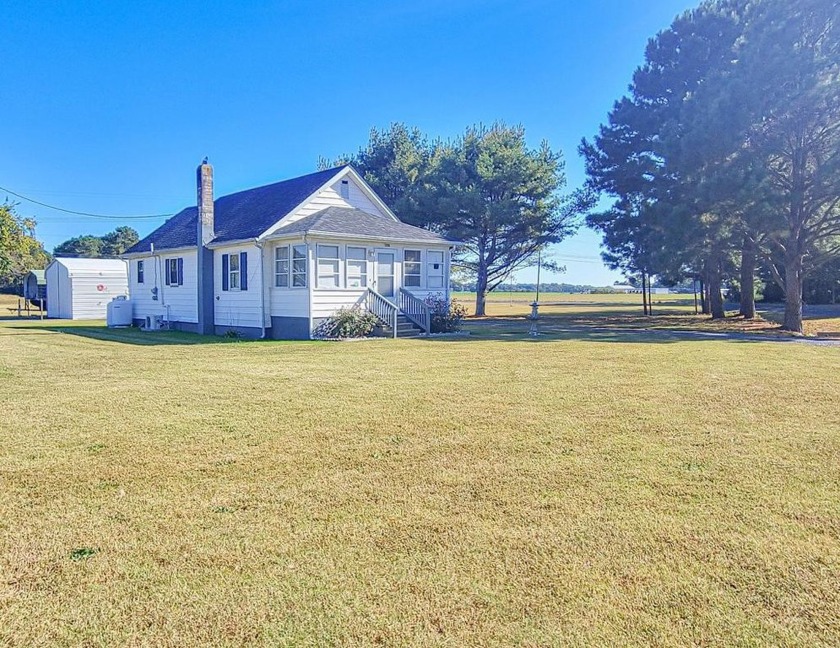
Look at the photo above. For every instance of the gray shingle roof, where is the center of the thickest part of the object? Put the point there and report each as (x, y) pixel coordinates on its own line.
(243, 215)
(347, 221)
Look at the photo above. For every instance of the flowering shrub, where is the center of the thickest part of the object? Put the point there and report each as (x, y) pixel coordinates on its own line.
(347, 323)
(446, 314)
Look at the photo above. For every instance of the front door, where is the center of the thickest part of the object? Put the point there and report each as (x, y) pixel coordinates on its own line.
(385, 272)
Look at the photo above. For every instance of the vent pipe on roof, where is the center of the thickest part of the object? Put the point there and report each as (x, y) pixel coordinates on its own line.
(204, 255)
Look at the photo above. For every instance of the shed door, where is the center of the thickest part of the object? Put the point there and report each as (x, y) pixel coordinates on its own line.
(385, 273)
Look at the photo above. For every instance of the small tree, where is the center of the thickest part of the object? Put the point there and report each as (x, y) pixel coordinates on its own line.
(20, 251)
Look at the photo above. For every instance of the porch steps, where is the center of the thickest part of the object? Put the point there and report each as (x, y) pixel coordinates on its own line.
(405, 328)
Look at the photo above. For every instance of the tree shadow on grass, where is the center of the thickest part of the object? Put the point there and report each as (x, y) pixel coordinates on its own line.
(627, 331)
(131, 335)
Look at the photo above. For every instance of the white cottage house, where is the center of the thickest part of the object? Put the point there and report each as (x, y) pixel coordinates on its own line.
(277, 260)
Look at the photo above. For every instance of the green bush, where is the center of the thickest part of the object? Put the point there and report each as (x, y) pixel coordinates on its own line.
(347, 323)
(446, 314)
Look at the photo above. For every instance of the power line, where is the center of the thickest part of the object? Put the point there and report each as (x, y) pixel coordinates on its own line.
(577, 260)
(80, 213)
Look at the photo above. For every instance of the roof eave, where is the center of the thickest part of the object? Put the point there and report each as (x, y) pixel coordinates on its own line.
(131, 255)
(365, 237)
(215, 245)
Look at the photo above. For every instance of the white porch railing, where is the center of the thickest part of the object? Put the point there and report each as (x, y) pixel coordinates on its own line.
(415, 310)
(385, 310)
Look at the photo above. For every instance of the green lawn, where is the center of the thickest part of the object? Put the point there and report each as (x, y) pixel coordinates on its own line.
(494, 491)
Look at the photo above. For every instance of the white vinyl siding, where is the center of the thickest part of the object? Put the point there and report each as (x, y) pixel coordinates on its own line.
(236, 307)
(331, 196)
(282, 299)
(176, 303)
(358, 198)
(325, 303)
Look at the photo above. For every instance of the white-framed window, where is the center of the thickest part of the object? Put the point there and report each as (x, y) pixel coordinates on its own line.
(434, 269)
(357, 267)
(298, 266)
(281, 266)
(233, 272)
(412, 268)
(345, 189)
(329, 264)
(141, 272)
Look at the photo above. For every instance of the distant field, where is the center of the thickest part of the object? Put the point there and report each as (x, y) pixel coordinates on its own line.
(580, 488)
(669, 311)
(508, 303)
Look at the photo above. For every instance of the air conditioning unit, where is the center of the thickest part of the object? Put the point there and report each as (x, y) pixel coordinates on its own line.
(153, 323)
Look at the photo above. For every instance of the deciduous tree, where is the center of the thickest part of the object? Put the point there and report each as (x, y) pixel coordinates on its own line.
(112, 244)
(20, 251)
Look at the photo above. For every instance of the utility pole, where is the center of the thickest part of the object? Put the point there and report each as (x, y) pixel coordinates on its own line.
(535, 305)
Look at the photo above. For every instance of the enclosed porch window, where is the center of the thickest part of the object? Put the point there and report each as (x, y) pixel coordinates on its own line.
(356, 267)
(434, 269)
(412, 268)
(328, 266)
(298, 266)
(281, 267)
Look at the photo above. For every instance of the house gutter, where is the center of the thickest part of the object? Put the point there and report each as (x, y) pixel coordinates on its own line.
(361, 237)
(151, 251)
(263, 286)
(311, 275)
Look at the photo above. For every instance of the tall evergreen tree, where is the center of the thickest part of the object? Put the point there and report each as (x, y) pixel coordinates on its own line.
(733, 125)
(487, 188)
(788, 80)
(500, 198)
(394, 163)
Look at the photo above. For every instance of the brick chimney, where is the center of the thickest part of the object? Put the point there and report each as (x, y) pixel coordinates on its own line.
(204, 260)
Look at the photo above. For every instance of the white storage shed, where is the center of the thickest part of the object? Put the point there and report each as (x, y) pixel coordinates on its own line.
(81, 288)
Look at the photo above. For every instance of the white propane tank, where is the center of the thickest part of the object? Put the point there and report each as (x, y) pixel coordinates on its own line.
(119, 312)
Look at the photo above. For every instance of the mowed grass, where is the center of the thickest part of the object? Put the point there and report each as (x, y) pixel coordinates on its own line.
(158, 490)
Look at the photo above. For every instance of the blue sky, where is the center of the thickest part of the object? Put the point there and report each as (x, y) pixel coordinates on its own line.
(108, 107)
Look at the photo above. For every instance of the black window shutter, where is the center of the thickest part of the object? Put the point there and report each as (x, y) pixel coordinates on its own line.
(243, 271)
(225, 271)
(166, 270)
(180, 271)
